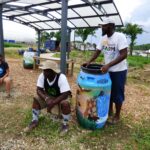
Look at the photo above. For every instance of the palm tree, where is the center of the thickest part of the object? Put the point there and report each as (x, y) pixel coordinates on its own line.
(83, 33)
(131, 30)
(44, 37)
(51, 34)
(57, 35)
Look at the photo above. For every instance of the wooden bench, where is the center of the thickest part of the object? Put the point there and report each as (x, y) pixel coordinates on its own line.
(70, 63)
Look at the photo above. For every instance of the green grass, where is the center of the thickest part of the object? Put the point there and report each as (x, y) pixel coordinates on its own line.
(138, 61)
(111, 137)
(83, 56)
(133, 61)
(12, 52)
(13, 45)
(141, 136)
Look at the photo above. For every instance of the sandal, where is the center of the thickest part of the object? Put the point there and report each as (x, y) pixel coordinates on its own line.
(113, 121)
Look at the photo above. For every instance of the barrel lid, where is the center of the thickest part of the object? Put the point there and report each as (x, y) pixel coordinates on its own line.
(92, 68)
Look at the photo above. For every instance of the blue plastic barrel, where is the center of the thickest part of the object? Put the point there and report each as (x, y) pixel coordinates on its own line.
(93, 97)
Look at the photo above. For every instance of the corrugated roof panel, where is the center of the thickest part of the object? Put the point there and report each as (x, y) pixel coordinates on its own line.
(85, 11)
(53, 24)
(4, 1)
(11, 13)
(43, 25)
(24, 20)
(55, 14)
(93, 21)
(70, 25)
(36, 26)
(33, 1)
(79, 22)
(81, 13)
(39, 8)
(110, 8)
(29, 18)
(40, 17)
(18, 4)
(97, 10)
(75, 2)
(53, 6)
(71, 13)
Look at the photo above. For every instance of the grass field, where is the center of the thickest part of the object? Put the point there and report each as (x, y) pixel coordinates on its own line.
(131, 133)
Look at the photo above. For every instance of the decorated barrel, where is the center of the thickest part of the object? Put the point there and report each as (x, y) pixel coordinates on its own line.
(93, 96)
(28, 60)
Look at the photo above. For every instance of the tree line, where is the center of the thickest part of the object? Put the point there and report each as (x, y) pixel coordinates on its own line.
(130, 30)
(142, 47)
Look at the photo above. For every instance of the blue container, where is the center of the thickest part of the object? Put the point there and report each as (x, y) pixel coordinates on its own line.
(93, 97)
(30, 49)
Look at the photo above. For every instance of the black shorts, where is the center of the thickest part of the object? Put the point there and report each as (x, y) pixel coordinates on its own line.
(118, 86)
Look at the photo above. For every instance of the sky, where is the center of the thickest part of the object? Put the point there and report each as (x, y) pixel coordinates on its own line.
(132, 11)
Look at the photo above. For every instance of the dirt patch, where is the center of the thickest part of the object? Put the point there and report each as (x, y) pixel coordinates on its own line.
(136, 108)
(137, 96)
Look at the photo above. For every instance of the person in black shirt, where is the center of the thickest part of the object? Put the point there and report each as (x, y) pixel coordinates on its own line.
(53, 93)
(4, 75)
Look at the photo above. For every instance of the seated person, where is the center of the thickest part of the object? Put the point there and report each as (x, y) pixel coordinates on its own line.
(4, 75)
(53, 92)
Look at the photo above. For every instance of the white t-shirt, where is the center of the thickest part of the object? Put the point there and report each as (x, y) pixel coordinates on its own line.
(62, 82)
(110, 47)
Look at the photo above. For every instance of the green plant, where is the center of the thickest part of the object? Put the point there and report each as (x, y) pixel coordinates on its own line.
(138, 61)
(13, 45)
(12, 52)
(131, 30)
(141, 136)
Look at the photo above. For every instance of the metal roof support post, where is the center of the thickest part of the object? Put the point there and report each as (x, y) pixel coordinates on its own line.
(39, 43)
(63, 35)
(1, 33)
(68, 45)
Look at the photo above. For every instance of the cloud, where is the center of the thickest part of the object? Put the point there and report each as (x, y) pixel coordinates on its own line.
(137, 12)
(18, 32)
(145, 24)
(127, 7)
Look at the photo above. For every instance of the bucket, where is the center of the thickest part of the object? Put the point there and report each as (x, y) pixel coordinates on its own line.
(28, 60)
(93, 97)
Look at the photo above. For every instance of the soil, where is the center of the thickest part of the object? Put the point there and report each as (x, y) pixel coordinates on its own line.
(137, 101)
(136, 106)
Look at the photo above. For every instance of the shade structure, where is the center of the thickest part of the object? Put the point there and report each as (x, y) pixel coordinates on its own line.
(58, 14)
(46, 14)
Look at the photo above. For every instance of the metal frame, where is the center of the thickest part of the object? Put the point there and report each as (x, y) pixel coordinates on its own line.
(6, 8)
(31, 10)
(1, 32)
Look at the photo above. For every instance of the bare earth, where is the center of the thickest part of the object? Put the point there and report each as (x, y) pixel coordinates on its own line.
(136, 106)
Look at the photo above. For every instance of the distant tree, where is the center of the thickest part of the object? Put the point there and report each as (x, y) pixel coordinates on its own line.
(131, 30)
(57, 35)
(44, 37)
(51, 34)
(142, 47)
(83, 33)
(48, 36)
